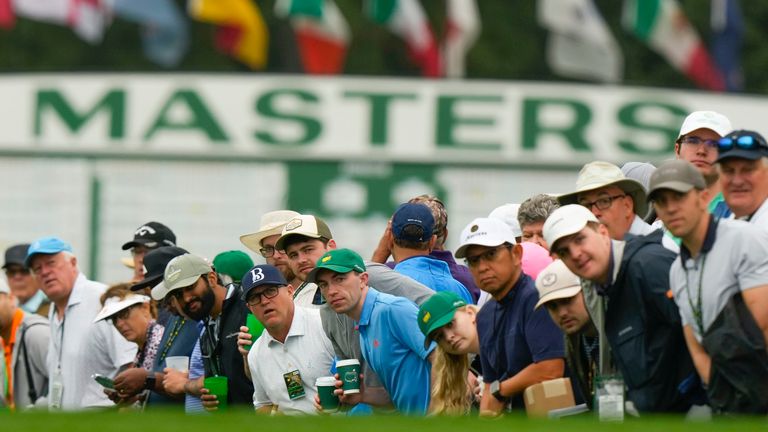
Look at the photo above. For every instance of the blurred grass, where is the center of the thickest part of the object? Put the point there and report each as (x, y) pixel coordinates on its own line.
(175, 422)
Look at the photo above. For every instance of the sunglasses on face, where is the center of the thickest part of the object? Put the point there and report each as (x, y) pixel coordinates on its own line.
(745, 142)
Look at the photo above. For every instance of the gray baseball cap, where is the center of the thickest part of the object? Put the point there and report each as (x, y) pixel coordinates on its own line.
(678, 175)
(180, 272)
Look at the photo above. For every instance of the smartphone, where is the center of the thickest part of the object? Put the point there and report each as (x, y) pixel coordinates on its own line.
(105, 382)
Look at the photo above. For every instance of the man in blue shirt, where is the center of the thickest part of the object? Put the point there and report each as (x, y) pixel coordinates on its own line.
(391, 341)
(519, 345)
(413, 239)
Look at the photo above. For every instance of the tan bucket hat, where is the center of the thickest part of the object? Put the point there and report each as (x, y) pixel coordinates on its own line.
(599, 174)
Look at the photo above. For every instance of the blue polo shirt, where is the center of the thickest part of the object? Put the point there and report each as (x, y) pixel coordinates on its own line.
(513, 335)
(393, 346)
(434, 274)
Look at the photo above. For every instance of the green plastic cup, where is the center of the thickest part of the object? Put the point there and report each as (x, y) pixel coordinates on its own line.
(349, 374)
(255, 328)
(217, 385)
(325, 387)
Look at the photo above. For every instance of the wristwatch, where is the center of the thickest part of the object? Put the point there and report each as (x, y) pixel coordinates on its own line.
(496, 391)
(149, 383)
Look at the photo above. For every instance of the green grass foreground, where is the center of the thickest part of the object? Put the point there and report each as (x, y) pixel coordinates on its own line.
(242, 420)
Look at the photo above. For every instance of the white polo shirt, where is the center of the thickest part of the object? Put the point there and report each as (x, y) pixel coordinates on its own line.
(760, 217)
(304, 295)
(306, 349)
(733, 258)
(79, 347)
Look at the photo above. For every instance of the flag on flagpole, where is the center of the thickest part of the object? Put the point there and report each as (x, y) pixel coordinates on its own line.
(664, 27)
(727, 41)
(322, 33)
(580, 44)
(7, 18)
(164, 33)
(241, 31)
(407, 19)
(462, 31)
(87, 18)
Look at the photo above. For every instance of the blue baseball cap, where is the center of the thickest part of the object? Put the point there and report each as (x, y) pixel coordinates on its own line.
(47, 246)
(263, 274)
(413, 214)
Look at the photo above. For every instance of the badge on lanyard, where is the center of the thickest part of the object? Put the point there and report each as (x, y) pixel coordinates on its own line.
(294, 384)
(57, 390)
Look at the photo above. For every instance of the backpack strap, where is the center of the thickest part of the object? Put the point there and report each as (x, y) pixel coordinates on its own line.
(31, 392)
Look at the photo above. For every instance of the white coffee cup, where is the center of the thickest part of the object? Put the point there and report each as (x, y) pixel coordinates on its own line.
(180, 363)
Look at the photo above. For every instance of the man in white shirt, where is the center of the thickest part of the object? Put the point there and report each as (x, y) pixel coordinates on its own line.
(286, 360)
(78, 346)
(743, 160)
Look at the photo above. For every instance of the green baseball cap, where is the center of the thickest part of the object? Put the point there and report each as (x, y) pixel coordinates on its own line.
(233, 263)
(339, 261)
(438, 311)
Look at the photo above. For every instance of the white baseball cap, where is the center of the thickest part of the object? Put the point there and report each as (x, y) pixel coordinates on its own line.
(484, 232)
(556, 281)
(566, 220)
(508, 214)
(711, 120)
(271, 223)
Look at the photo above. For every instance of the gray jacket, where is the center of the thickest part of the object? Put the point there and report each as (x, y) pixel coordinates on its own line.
(31, 344)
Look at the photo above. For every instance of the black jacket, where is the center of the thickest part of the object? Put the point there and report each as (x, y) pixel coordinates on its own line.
(225, 359)
(643, 328)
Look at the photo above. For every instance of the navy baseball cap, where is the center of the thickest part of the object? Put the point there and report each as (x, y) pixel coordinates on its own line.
(152, 235)
(263, 274)
(46, 246)
(155, 262)
(16, 254)
(413, 214)
(744, 144)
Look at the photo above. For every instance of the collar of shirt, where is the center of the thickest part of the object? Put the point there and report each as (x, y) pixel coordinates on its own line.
(365, 315)
(34, 302)
(425, 263)
(298, 326)
(709, 241)
(510, 297)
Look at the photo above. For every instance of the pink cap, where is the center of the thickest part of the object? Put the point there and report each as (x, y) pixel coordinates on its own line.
(535, 259)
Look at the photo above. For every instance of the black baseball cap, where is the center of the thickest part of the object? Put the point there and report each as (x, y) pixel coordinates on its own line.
(16, 254)
(743, 144)
(152, 235)
(155, 262)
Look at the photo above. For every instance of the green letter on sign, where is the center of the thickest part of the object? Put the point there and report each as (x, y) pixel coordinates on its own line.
(380, 112)
(266, 107)
(573, 133)
(113, 102)
(201, 119)
(630, 115)
(448, 121)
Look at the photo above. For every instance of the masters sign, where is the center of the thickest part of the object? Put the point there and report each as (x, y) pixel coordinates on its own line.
(289, 117)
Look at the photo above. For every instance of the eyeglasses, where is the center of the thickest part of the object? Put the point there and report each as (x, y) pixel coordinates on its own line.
(267, 252)
(601, 203)
(488, 256)
(122, 315)
(255, 298)
(11, 272)
(745, 142)
(696, 141)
